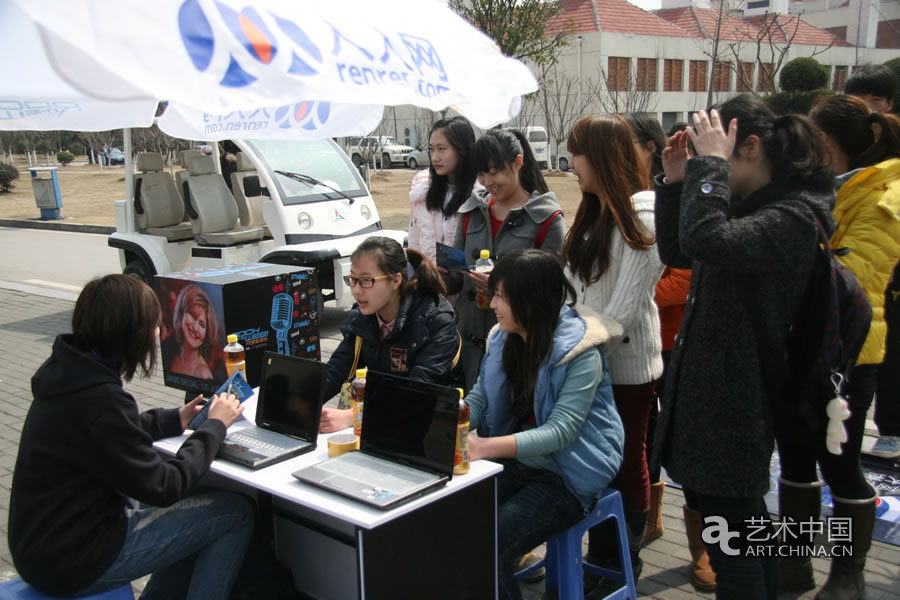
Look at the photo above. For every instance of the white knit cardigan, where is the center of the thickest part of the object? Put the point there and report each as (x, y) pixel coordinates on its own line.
(625, 294)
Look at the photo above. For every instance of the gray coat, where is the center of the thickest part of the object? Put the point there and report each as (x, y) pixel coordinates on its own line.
(715, 430)
(518, 231)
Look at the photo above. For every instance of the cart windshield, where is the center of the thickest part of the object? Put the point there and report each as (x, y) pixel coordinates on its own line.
(322, 160)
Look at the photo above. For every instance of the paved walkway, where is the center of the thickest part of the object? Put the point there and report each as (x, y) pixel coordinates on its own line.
(29, 323)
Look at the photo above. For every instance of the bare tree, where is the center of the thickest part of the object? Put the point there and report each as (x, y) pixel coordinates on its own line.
(528, 113)
(423, 120)
(621, 93)
(564, 99)
(152, 139)
(771, 36)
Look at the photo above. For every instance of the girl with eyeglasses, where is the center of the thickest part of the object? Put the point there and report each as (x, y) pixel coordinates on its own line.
(406, 325)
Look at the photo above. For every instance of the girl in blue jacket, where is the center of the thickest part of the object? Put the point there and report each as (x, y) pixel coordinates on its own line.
(542, 405)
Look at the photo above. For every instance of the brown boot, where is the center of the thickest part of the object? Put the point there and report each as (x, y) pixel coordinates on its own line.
(800, 503)
(845, 580)
(703, 575)
(654, 519)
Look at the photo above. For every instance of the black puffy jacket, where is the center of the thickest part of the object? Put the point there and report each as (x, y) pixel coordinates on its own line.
(421, 346)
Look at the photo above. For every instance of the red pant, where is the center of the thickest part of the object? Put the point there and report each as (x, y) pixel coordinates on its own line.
(633, 479)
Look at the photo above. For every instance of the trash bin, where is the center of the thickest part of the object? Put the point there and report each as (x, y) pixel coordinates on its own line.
(45, 183)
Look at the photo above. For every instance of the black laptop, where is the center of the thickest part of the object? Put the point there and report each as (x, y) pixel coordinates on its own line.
(407, 444)
(288, 408)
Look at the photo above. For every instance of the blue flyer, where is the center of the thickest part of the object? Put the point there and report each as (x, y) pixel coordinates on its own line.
(237, 385)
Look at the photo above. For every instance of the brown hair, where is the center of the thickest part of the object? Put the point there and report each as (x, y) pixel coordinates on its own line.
(607, 144)
(116, 317)
(392, 259)
(189, 297)
(849, 121)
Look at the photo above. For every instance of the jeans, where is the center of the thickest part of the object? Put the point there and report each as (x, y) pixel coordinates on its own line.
(193, 548)
(843, 472)
(745, 576)
(533, 506)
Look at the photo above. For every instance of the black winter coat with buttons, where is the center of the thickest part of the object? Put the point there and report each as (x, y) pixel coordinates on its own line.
(715, 431)
(421, 345)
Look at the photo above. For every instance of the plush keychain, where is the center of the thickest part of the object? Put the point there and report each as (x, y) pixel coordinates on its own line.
(838, 411)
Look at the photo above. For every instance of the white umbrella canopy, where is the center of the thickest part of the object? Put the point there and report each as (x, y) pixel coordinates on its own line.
(255, 68)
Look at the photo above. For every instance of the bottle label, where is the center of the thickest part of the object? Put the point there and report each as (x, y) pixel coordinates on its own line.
(240, 367)
(461, 458)
(357, 417)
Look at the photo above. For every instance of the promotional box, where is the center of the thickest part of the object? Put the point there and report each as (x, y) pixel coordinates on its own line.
(269, 307)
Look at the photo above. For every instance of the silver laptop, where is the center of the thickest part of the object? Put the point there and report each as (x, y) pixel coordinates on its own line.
(288, 409)
(406, 448)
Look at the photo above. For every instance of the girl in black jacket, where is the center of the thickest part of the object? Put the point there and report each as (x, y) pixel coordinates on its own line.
(406, 325)
(86, 452)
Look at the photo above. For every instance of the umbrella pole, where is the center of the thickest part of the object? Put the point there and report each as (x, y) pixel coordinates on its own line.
(129, 180)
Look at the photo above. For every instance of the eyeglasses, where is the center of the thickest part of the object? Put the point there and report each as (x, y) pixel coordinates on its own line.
(364, 282)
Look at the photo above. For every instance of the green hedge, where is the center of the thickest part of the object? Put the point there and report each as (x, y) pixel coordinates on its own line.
(803, 74)
(800, 102)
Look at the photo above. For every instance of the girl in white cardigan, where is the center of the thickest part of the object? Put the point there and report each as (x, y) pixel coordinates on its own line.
(611, 259)
(436, 193)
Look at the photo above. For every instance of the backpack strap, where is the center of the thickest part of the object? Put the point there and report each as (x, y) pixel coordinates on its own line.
(465, 224)
(357, 345)
(544, 230)
(458, 352)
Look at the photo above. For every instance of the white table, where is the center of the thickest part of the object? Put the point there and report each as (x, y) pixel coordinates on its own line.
(441, 545)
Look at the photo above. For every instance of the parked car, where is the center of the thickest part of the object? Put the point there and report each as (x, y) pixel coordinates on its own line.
(206, 149)
(537, 139)
(116, 157)
(383, 148)
(418, 159)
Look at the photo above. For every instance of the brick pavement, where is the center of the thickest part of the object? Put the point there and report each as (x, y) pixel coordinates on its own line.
(29, 323)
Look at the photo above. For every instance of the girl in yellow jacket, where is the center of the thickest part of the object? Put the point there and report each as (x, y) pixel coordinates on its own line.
(864, 152)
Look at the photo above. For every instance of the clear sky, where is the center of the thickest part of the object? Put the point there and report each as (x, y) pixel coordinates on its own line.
(646, 4)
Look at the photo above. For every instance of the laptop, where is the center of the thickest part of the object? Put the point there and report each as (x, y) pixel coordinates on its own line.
(406, 448)
(288, 408)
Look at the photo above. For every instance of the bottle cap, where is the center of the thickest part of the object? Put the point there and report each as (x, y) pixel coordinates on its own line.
(232, 338)
(361, 373)
(485, 254)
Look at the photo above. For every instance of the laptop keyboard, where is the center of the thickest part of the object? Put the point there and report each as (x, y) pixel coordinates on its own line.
(263, 441)
(376, 472)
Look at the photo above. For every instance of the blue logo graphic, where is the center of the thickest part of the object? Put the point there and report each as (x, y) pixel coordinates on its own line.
(308, 115)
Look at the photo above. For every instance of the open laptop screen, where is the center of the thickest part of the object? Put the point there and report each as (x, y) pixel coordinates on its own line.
(410, 422)
(290, 395)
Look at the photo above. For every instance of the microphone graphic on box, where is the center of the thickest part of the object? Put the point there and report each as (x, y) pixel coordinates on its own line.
(282, 315)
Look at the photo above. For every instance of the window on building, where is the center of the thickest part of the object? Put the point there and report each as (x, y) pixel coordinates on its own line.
(618, 73)
(745, 77)
(722, 77)
(764, 78)
(840, 76)
(646, 75)
(673, 75)
(697, 76)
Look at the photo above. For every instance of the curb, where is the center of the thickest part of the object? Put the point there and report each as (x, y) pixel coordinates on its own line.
(57, 226)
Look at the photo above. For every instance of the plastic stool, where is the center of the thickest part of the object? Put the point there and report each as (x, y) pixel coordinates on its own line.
(563, 558)
(16, 589)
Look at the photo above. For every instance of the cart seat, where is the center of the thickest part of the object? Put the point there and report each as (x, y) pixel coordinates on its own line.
(212, 209)
(158, 208)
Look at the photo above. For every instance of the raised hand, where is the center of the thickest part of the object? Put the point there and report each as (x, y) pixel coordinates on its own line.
(709, 136)
(674, 157)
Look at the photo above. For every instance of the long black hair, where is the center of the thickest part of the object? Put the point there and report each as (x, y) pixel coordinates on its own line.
(647, 129)
(461, 136)
(790, 143)
(521, 273)
(392, 259)
(498, 148)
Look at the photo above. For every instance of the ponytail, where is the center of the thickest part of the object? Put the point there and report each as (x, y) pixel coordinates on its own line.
(426, 278)
(850, 123)
(791, 144)
(498, 148)
(530, 176)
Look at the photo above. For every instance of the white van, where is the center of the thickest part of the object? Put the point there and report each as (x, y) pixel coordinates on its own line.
(537, 139)
(292, 202)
